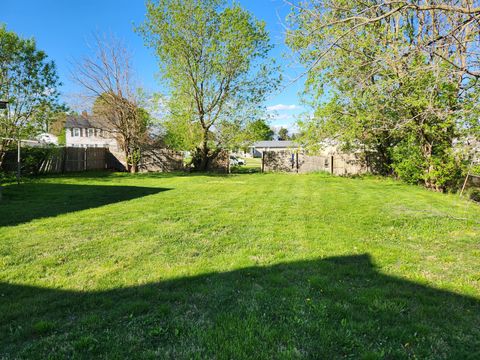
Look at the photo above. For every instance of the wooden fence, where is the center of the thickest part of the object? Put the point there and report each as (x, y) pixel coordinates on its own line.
(36, 160)
(43, 160)
(292, 161)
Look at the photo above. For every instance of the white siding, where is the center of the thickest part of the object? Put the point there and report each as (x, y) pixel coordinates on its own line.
(91, 138)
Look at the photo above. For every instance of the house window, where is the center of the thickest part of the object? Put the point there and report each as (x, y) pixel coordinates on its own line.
(91, 132)
(75, 132)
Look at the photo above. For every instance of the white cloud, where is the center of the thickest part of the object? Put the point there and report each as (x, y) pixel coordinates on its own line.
(282, 117)
(282, 107)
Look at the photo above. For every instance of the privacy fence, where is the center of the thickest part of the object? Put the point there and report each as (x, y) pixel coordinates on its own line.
(290, 161)
(160, 160)
(43, 160)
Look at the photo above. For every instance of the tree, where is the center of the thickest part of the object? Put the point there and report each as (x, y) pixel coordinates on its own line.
(260, 130)
(401, 84)
(213, 58)
(283, 134)
(107, 79)
(57, 127)
(29, 82)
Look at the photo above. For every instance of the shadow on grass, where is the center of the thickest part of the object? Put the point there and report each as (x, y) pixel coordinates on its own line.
(109, 175)
(332, 308)
(29, 201)
(245, 170)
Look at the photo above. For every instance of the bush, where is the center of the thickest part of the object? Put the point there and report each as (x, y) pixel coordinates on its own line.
(33, 159)
(408, 164)
(443, 170)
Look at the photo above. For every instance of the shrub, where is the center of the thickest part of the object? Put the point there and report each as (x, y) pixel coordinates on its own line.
(33, 159)
(407, 163)
(443, 170)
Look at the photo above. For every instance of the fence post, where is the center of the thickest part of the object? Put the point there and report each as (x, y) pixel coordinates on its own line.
(64, 158)
(85, 161)
(263, 161)
(296, 160)
(19, 166)
(331, 164)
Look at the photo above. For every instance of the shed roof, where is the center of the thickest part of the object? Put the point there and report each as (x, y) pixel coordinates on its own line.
(275, 144)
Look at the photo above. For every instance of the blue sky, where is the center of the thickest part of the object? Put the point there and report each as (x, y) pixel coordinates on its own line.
(62, 29)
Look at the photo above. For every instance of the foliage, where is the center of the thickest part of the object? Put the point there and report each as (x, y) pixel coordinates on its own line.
(62, 137)
(283, 134)
(213, 59)
(34, 157)
(372, 86)
(260, 130)
(29, 82)
(57, 127)
(114, 265)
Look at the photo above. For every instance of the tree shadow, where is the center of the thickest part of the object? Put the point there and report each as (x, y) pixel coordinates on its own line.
(245, 170)
(29, 201)
(338, 307)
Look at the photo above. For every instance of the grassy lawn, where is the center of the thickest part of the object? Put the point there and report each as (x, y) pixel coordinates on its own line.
(241, 266)
(252, 165)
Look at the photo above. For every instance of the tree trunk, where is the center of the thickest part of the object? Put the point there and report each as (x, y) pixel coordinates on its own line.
(2, 156)
(204, 152)
(427, 155)
(133, 168)
(4, 145)
(127, 160)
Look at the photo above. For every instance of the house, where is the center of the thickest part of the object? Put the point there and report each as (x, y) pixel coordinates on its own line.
(89, 131)
(257, 149)
(41, 140)
(47, 138)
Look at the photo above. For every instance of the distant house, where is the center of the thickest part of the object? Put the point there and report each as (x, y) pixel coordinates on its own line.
(89, 131)
(46, 138)
(257, 149)
(41, 140)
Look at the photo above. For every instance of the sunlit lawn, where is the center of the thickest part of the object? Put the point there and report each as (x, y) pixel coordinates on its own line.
(240, 266)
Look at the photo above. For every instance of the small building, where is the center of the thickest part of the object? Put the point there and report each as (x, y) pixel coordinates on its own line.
(41, 140)
(89, 131)
(258, 148)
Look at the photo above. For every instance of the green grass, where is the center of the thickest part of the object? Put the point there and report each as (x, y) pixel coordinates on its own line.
(264, 266)
(252, 165)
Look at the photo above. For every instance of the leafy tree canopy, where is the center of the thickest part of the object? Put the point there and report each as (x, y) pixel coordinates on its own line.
(29, 82)
(214, 59)
(387, 78)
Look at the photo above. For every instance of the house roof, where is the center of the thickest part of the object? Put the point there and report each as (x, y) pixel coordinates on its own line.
(85, 122)
(275, 144)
